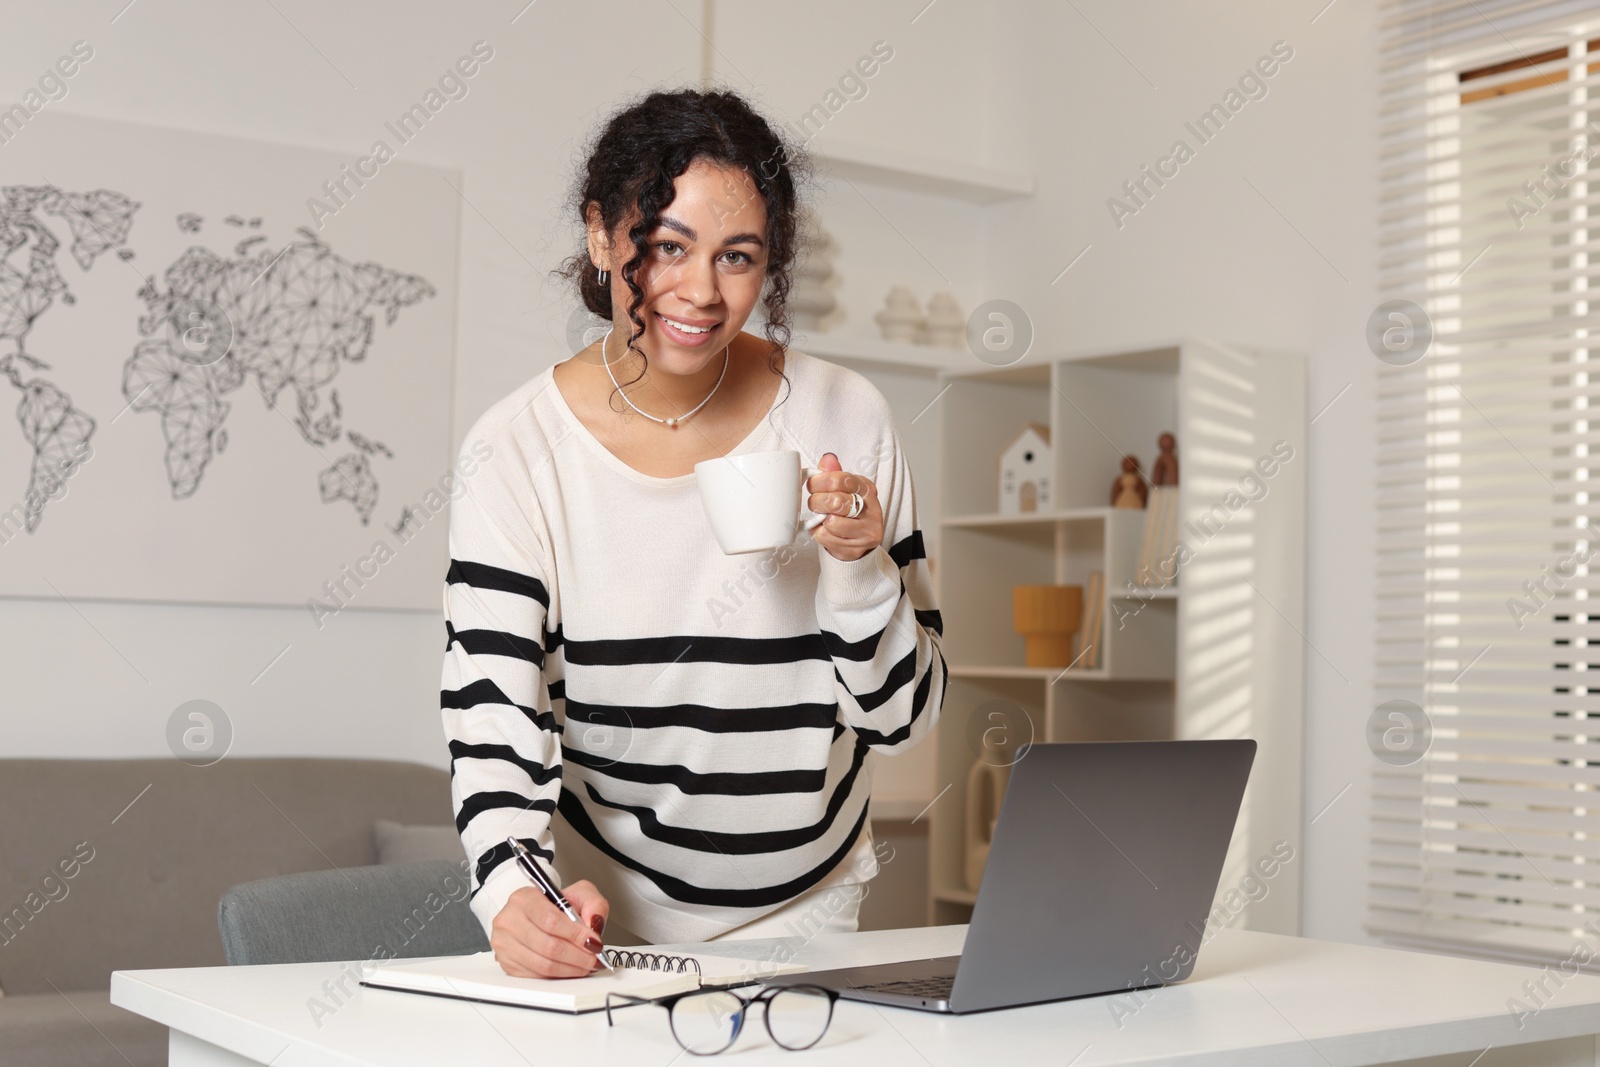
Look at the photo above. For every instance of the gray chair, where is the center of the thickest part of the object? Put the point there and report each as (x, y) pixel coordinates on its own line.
(393, 911)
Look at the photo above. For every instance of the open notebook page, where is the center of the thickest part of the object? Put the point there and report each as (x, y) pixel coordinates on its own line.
(479, 977)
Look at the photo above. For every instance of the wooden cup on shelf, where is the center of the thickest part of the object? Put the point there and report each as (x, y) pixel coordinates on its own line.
(1047, 616)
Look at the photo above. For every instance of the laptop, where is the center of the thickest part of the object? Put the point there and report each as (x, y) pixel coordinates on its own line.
(1104, 866)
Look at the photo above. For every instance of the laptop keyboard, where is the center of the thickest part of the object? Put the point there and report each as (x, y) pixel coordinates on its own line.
(937, 988)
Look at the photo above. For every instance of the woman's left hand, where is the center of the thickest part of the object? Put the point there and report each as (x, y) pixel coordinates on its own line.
(845, 538)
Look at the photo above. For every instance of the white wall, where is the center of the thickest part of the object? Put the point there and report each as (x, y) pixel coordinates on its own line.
(1030, 84)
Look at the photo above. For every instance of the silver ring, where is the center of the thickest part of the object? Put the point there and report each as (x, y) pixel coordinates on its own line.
(856, 504)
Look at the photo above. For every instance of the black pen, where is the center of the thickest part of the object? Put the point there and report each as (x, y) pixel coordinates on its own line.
(548, 888)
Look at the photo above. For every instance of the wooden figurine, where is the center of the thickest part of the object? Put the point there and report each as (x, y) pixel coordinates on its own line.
(1165, 470)
(1129, 490)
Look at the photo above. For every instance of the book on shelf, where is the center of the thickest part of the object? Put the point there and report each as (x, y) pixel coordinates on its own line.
(1086, 655)
(1158, 550)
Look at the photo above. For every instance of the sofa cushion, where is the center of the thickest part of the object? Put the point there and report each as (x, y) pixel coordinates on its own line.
(119, 864)
(398, 843)
(82, 1029)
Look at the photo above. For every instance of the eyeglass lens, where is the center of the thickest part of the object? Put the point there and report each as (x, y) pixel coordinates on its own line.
(709, 1022)
(798, 1017)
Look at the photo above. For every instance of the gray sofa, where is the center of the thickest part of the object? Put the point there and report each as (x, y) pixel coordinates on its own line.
(119, 864)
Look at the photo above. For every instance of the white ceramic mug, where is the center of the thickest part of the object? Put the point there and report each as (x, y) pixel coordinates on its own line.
(754, 501)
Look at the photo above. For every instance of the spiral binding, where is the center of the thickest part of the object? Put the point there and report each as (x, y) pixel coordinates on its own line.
(651, 961)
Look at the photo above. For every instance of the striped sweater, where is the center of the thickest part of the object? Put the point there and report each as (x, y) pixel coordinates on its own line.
(689, 730)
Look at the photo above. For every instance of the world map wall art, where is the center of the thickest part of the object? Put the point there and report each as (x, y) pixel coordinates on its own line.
(219, 392)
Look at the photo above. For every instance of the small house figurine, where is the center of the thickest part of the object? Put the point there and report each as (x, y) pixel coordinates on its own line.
(1027, 467)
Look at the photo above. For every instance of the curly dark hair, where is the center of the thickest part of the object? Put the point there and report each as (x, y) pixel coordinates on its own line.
(632, 162)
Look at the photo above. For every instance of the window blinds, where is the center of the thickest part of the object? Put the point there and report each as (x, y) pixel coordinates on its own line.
(1486, 835)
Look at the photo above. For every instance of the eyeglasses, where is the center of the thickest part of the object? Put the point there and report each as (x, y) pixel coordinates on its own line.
(708, 1021)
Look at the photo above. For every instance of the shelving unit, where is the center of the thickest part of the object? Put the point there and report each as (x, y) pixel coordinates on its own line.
(865, 353)
(1219, 655)
(917, 173)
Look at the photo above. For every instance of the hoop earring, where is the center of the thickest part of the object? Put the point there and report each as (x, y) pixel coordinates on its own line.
(601, 275)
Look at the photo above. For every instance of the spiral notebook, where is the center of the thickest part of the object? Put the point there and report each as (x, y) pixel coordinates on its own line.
(639, 973)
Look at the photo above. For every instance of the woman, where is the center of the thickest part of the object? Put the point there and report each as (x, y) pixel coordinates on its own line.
(684, 731)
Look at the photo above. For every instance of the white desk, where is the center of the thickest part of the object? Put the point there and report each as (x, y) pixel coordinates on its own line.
(1255, 1000)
